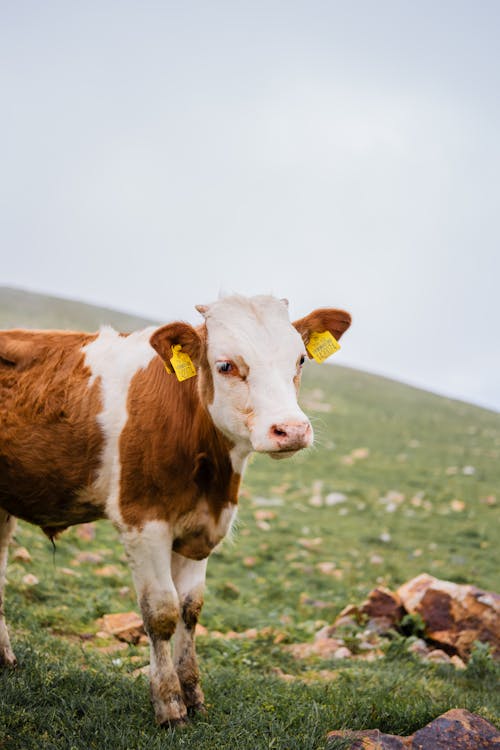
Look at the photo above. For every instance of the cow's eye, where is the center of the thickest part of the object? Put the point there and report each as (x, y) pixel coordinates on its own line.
(302, 360)
(224, 366)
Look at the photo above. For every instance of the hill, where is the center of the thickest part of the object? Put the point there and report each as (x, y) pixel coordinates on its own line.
(22, 309)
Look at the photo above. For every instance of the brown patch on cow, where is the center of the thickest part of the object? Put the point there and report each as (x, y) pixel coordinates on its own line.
(50, 442)
(160, 618)
(323, 319)
(191, 608)
(173, 457)
(297, 380)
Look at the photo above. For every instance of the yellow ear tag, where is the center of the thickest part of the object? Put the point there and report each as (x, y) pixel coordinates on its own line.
(182, 364)
(322, 345)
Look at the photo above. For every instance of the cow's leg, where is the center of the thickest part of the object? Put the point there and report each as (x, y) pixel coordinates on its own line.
(7, 526)
(189, 579)
(150, 551)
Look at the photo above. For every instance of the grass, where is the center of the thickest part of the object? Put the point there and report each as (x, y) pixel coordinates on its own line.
(422, 496)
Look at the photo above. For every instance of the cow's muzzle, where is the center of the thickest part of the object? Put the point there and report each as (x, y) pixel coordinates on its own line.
(286, 438)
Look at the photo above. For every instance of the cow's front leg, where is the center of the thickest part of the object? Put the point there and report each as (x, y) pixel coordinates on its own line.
(189, 579)
(7, 526)
(149, 551)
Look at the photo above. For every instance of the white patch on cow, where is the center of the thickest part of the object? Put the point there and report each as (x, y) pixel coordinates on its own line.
(257, 335)
(149, 552)
(189, 575)
(114, 360)
(239, 457)
(226, 520)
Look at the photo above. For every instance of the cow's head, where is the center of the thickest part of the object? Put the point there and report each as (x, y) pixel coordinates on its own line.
(249, 358)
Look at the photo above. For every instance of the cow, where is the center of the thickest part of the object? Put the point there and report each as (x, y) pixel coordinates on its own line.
(98, 426)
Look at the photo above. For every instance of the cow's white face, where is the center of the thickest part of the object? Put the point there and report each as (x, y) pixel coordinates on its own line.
(250, 357)
(255, 356)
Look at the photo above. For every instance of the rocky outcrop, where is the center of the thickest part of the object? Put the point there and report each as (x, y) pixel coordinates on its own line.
(455, 615)
(457, 729)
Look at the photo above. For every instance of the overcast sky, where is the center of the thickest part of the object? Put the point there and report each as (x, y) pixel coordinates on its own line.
(335, 153)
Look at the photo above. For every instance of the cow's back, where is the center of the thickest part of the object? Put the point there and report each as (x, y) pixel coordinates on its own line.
(50, 440)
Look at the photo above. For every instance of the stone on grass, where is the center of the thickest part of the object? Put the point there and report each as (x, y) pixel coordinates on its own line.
(94, 558)
(126, 626)
(419, 647)
(438, 656)
(21, 554)
(30, 580)
(382, 603)
(457, 729)
(86, 531)
(455, 615)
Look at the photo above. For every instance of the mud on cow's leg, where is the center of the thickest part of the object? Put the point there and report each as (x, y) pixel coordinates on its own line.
(149, 551)
(189, 579)
(7, 526)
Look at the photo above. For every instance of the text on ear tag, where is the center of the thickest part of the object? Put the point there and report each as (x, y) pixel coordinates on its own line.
(322, 345)
(182, 364)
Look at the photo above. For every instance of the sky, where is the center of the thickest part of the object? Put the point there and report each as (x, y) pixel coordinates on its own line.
(157, 154)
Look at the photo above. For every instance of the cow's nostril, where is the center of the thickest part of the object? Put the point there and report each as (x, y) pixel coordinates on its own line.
(278, 431)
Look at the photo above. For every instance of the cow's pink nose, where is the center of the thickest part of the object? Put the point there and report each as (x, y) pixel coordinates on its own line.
(290, 436)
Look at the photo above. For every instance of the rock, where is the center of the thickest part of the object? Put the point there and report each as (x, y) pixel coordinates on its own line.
(69, 572)
(278, 672)
(21, 554)
(324, 647)
(30, 580)
(334, 498)
(438, 656)
(126, 626)
(419, 647)
(264, 515)
(383, 603)
(455, 615)
(379, 625)
(457, 662)
(342, 653)
(310, 543)
(109, 571)
(112, 648)
(86, 532)
(328, 568)
(326, 632)
(87, 557)
(457, 729)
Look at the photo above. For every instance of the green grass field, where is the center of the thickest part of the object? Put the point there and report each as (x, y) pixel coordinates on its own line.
(421, 477)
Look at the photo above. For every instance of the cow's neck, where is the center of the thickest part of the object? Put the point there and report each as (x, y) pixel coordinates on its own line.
(219, 463)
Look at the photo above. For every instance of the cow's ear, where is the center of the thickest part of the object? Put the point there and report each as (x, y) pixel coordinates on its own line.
(324, 319)
(174, 334)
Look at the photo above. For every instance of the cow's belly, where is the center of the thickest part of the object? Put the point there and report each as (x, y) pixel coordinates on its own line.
(44, 479)
(196, 534)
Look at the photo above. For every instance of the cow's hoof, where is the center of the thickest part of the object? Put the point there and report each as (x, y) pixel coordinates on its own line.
(199, 708)
(8, 659)
(171, 713)
(175, 723)
(194, 698)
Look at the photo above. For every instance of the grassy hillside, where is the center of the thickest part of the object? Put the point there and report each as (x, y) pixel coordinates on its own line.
(21, 309)
(417, 481)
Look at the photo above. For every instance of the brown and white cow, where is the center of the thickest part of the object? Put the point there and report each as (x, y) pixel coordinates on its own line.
(93, 427)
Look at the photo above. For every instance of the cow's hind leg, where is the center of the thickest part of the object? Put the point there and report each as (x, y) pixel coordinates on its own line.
(149, 551)
(7, 526)
(189, 579)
